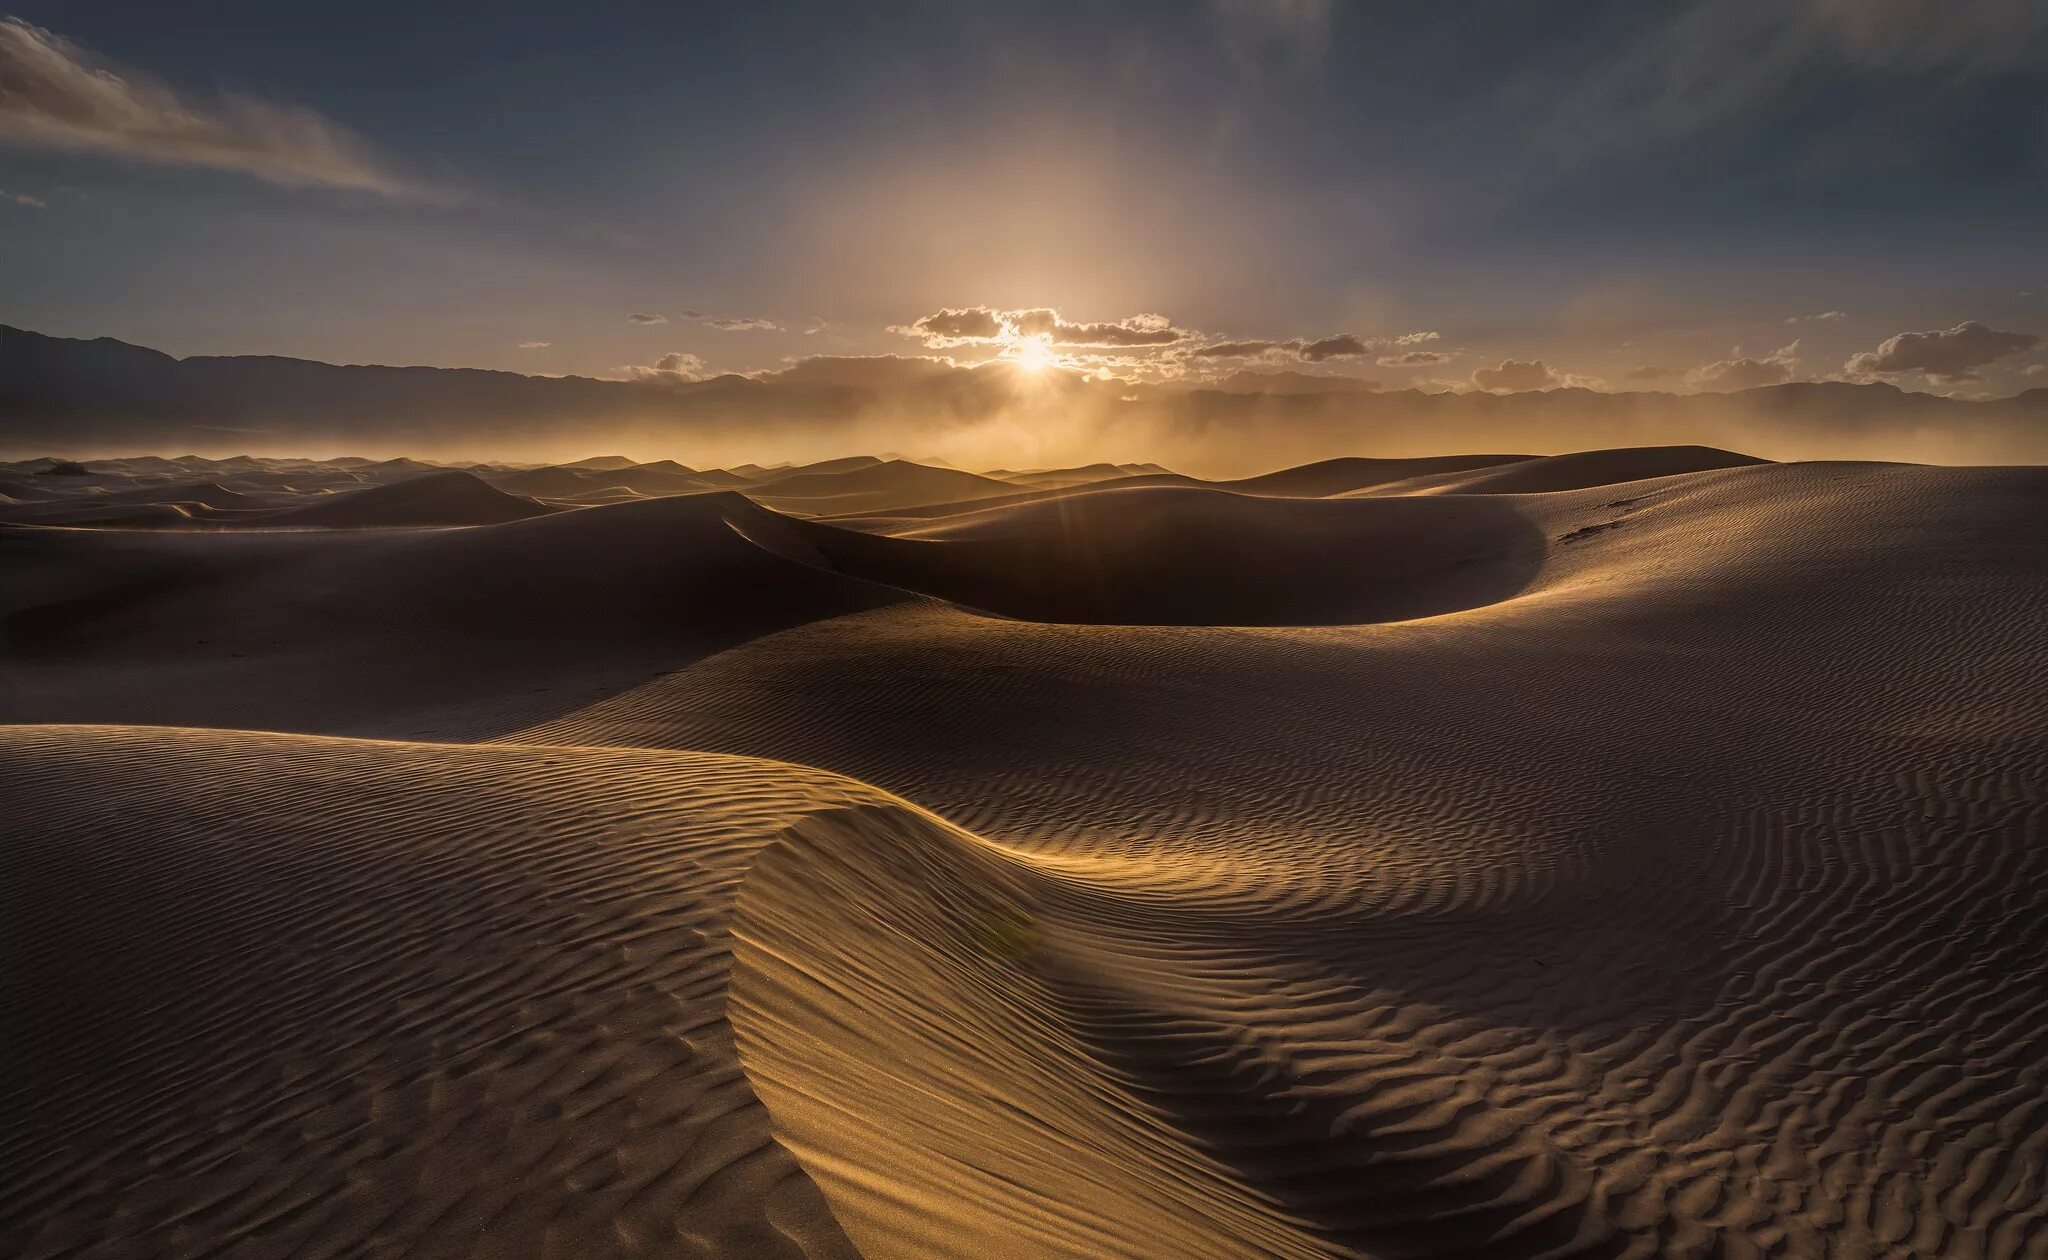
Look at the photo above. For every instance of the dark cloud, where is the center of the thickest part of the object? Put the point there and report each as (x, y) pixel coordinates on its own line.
(1740, 372)
(646, 319)
(947, 326)
(56, 95)
(1950, 355)
(1234, 350)
(1414, 358)
(1138, 330)
(1341, 346)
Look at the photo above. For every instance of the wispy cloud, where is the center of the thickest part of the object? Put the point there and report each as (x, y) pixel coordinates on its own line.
(1717, 63)
(21, 199)
(743, 323)
(1825, 317)
(639, 317)
(535, 345)
(57, 95)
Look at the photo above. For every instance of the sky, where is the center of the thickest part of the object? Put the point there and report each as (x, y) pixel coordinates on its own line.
(1503, 196)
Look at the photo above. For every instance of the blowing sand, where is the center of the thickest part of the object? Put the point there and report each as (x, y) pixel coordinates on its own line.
(1628, 854)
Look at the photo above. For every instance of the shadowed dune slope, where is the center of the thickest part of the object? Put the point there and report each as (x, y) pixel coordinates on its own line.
(873, 487)
(446, 498)
(1175, 556)
(440, 632)
(1307, 481)
(1575, 471)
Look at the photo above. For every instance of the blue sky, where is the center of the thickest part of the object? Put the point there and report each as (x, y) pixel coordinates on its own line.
(1638, 195)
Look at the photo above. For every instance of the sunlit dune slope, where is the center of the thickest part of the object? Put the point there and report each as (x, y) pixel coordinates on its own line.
(305, 996)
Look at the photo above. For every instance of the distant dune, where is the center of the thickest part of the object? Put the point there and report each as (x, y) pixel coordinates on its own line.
(448, 498)
(1634, 853)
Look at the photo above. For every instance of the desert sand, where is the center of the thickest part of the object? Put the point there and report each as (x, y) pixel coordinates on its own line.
(1629, 853)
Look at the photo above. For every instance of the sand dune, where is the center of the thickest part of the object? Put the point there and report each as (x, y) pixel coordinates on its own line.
(1177, 556)
(436, 633)
(446, 498)
(1666, 881)
(828, 489)
(1576, 471)
(304, 996)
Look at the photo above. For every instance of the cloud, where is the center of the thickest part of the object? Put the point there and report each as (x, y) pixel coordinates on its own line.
(535, 345)
(980, 324)
(677, 368)
(57, 95)
(1341, 346)
(1739, 372)
(647, 319)
(947, 326)
(2035, 369)
(1949, 355)
(814, 325)
(1234, 350)
(21, 199)
(1825, 317)
(1649, 373)
(1517, 376)
(744, 323)
(1322, 349)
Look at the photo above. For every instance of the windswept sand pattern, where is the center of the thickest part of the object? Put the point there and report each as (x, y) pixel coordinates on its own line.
(300, 996)
(1675, 891)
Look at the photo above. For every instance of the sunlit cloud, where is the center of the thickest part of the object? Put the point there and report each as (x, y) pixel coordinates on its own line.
(1414, 358)
(948, 327)
(743, 323)
(676, 368)
(1519, 376)
(21, 199)
(639, 318)
(1950, 355)
(535, 345)
(56, 95)
(1742, 372)
(1825, 317)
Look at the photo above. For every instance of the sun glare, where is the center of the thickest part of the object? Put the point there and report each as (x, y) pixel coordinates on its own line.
(1033, 354)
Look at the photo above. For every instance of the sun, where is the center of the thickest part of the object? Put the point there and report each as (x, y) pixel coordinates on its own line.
(1033, 354)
